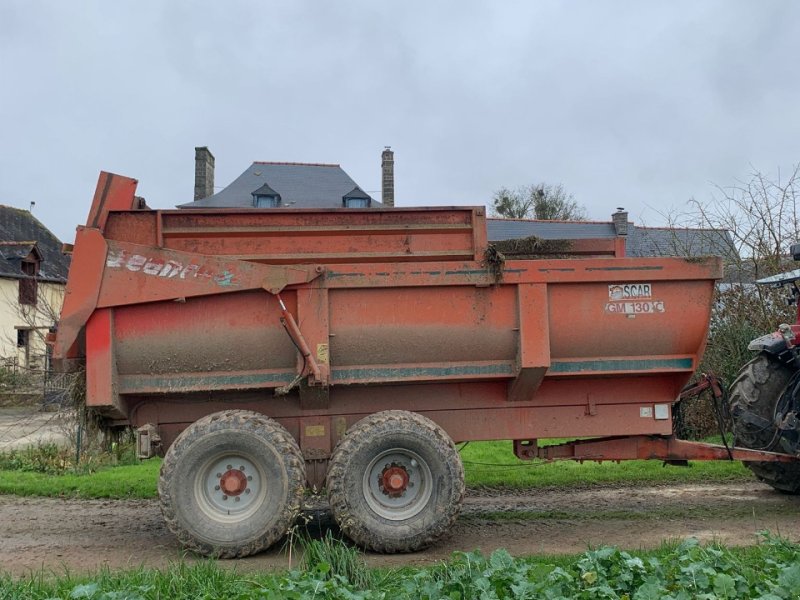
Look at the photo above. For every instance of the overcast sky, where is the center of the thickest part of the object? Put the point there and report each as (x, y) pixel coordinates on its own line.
(635, 104)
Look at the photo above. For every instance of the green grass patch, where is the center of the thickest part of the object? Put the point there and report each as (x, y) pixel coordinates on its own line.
(487, 464)
(678, 571)
(126, 481)
(493, 464)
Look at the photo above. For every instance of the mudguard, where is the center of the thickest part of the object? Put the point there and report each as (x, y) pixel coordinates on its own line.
(773, 344)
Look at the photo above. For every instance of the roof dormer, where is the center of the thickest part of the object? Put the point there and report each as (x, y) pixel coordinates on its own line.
(266, 197)
(356, 198)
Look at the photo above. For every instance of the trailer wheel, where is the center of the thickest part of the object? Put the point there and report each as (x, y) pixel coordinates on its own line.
(757, 389)
(232, 483)
(395, 482)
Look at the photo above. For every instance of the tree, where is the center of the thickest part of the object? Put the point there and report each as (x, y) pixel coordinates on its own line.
(540, 201)
(760, 218)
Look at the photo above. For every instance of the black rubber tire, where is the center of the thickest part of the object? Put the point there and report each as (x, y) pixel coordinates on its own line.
(367, 439)
(757, 388)
(197, 524)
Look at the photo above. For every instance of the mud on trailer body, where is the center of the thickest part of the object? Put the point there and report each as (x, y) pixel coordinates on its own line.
(265, 350)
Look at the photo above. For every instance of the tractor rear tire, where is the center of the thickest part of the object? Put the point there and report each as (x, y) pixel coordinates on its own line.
(395, 482)
(232, 484)
(757, 389)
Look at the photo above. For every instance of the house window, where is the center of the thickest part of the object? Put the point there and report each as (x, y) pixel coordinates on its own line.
(28, 285)
(22, 337)
(356, 202)
(267, 201)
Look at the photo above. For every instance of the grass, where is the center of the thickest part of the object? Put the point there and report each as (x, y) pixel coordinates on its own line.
(127, 481)
(487, 465)
(678, 570)
(493, 464)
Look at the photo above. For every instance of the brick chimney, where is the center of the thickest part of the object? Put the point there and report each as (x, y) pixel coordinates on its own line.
(203, 173)
(620, 219)
(387, 182)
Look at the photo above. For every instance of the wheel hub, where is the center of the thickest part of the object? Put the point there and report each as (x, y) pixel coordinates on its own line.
(397, 484)
(233, 482)
(394, 481)
(230, 487)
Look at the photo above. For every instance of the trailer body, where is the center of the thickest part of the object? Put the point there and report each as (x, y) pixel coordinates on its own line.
(398, 310)
(319, 319)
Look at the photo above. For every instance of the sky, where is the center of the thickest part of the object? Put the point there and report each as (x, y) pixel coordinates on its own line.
(633, 104)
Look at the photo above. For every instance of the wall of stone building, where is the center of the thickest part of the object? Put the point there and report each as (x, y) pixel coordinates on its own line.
(35, 319)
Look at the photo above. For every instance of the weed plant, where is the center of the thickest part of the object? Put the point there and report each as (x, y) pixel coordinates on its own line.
(53, 459)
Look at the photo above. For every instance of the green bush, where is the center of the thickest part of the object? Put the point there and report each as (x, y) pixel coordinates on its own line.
(53, 459)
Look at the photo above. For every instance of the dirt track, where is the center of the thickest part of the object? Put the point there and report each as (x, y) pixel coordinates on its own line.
(83, 535)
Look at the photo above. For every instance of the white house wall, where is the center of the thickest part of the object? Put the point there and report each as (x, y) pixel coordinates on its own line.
(37, 318)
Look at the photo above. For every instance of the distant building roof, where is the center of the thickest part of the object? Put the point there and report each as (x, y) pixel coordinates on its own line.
(357, 192)
(640, 241)
(300, 185)
(512, 229)
(20, 234)
(665, 241)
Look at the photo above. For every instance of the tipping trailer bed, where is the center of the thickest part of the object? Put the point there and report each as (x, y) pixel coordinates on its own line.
(374, 323)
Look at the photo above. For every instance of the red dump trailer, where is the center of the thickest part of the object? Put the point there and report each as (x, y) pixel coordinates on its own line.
(267, 350)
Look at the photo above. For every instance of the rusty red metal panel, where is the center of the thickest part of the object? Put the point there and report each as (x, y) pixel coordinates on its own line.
(668, 448)
(533, 339)
(83, 288)
(620, 248)
(134, 274)
(101, 371)
(114, 192)
(311, 235)
(313, 309)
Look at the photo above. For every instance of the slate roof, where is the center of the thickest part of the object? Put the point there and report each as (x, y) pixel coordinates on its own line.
(301, 185)
(512, 229)
(357, 192)
(640, 241)
(20, 234)
(264, 190)
(664, 241)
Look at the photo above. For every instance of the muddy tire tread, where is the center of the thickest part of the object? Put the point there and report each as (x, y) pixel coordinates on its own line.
(757, 388)
(390, 422)
(246, 421)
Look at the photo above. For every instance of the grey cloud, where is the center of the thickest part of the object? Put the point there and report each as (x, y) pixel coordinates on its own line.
(639, 104)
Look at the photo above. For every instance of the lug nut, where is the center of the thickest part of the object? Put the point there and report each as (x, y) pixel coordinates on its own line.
(219, 475)
(224, 497)
(237, 499)
(216, 488)
(249, 478)
(241, 468)
(247, 491)
(229, 467)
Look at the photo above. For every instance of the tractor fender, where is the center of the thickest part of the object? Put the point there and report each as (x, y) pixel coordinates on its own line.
(773, 344)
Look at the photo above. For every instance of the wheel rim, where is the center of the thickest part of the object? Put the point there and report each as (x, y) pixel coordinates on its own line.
(230, 488)
(397, 484)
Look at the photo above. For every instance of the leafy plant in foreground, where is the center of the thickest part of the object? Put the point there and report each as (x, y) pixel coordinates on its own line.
(331, 569)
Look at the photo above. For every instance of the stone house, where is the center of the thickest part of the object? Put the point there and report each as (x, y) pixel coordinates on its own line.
(287, 185)
(33, 276)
